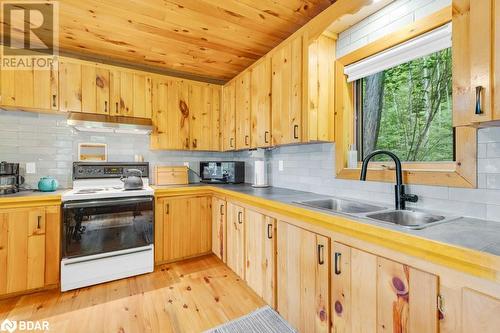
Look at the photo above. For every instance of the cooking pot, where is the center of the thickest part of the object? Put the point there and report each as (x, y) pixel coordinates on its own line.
(132, 179)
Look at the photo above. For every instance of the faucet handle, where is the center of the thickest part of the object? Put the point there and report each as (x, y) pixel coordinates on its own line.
(410, 197)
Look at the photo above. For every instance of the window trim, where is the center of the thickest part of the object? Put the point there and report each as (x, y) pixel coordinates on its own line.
(461, 173)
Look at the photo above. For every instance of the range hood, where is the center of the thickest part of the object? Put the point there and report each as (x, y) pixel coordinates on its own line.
(97, 123)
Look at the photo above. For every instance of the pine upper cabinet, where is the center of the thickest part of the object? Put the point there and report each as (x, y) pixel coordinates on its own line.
(219, 227)
(260, 106)
(228, 119)
(303, 268)
(235, 254)
(130, 94)
(260, 250)
(320, 122)
(375, 294)
(171, 115)
(242, 96)
(287, 93)
(95, 90)
(32, 89)
(204, 111)
(186, 227)
(475, 65)
(29, 248)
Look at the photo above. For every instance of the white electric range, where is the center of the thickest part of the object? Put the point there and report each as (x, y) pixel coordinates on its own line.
(107, 231)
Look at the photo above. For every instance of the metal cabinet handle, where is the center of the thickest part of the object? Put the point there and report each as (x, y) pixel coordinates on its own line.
(221, 208)
(105, 106)
(39, 222)
(240, 220)
(321, 254)
(479, 90)
(246, 140)
(187, 142)
(266, 140)
(54, 100)
(117, 108)
(337, 263)
(270, 231)
(167, 209)
(295, 131)
(195, 143)
(231, 142)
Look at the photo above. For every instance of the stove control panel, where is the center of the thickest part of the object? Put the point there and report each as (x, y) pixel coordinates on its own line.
(90, 170)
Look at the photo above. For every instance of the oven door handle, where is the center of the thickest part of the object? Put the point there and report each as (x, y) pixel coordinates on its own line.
(103, 203)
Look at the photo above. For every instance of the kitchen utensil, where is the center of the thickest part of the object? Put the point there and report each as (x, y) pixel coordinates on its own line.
(132, 179)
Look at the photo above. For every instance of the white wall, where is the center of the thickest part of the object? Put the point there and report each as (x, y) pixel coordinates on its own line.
(390, 18)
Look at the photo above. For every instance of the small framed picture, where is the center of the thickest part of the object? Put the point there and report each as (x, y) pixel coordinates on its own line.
(92, 152)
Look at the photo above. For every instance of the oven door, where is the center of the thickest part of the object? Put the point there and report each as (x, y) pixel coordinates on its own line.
(103, 225)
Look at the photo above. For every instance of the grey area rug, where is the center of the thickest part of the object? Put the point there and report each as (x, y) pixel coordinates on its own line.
(263, 320)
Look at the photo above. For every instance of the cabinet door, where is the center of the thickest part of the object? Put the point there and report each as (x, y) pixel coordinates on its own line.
(287, 93)
(261, 104)
(171, 116)
(260, 249)
(30, 88)
(142, 104)
(22, 249)
(243, 110)
(70, 87)
(235, 254)
(374, 294)
(219, 228)
(320, 122)
(480, 313)
(187, 227)
(126, 94)
(95, 89)
(474, 62)
(203, 122)
(114, 92)
(303, 278)
(228, 117)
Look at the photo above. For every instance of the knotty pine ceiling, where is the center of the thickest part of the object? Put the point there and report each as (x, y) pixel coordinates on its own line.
(209, 39)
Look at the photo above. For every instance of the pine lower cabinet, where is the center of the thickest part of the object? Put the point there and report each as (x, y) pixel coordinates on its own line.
(303, 269)
(260, 250)
(480, 312)
(29, 248)
(219, 227)
(183, 228)
(375, 294)
(235, 254)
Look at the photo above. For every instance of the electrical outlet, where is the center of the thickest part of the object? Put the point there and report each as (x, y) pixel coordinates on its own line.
(280, 165)
(186, 164)
(30, 167)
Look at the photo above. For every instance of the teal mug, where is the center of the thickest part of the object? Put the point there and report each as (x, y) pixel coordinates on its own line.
(48, 184)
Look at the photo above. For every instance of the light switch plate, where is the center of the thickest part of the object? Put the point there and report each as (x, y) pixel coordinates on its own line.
(186, 164)
(280, 165)
(30, 167)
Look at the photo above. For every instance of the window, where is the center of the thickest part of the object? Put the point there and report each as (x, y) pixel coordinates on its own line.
(407, 109)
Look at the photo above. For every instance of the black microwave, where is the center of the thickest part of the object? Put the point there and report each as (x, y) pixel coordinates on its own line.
(223, 172)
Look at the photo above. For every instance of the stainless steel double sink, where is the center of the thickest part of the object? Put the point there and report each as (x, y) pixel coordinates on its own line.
(406, 218)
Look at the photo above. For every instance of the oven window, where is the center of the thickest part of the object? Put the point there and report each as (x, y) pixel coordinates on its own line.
(93, 227)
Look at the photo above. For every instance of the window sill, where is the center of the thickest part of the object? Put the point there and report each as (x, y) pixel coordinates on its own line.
(433, 177)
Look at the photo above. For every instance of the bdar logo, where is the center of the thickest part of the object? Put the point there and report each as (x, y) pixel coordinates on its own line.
(8, 325)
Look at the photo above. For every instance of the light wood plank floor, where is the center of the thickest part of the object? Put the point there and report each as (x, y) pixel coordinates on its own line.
(189, 296)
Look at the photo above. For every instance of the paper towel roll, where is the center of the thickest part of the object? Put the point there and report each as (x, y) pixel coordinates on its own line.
(260, 176)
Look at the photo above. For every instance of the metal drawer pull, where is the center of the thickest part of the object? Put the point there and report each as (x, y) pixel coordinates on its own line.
(321, 254)
(270, 231)
(337, 263)
(295, 131)
(479, 90)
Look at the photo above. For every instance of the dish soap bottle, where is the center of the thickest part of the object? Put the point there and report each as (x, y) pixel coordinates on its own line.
(352, 157)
